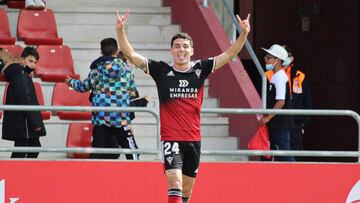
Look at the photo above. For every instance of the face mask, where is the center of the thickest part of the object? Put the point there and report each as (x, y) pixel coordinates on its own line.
(28, 70)
(287, 62)
(269, 66)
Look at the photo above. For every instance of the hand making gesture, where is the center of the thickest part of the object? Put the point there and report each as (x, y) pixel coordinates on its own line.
(244, 24)
(121, 20)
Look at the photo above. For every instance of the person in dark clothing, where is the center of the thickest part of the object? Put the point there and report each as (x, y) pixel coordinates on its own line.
(22, 127)
(301, 99)
(137, 101)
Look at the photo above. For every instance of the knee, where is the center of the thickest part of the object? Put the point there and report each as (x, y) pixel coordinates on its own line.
(175, 184)
(187, 190)
(174, 179)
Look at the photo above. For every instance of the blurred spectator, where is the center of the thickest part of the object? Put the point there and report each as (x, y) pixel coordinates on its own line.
(22, 127)
(300, 99)
(112, 84)
(34, 4)
(278, 97)
(3, 2)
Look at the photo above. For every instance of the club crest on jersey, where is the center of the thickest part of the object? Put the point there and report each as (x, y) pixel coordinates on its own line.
(198, 72)
(183, 83)
(170, 73)
(169, 159)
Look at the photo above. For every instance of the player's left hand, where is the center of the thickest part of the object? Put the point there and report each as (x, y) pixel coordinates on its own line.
(244, 24)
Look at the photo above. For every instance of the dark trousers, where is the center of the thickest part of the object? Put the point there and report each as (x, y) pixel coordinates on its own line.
(33, 142)
(296, 143)
(111, 137)
(280, 140)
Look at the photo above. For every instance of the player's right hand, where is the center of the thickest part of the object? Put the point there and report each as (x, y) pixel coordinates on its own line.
(121, 20)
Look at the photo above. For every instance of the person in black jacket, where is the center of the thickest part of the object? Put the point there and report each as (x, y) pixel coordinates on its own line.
(300, 99)
(22, 127)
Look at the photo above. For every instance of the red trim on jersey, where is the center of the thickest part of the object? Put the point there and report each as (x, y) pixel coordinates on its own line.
(180, 118)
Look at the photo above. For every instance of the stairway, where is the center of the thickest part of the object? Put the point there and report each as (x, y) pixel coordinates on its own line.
(83, 24)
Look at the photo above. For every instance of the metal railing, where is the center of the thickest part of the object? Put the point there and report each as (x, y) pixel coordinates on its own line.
(248, 47)
(152, 111)
(157, 151)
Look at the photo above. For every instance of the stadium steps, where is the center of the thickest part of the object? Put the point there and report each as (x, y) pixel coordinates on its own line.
(84, 24)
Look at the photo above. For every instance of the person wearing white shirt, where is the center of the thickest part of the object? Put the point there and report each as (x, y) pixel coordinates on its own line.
(278, 97)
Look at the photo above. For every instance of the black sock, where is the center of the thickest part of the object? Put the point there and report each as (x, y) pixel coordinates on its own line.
(185, 199)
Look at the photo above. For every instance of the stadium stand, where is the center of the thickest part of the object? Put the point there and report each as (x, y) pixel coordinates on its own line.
(5, 34)
(40, 97)
(55, 63)
(63, 95)
(79, 135)
(16, 4)
(43, 32)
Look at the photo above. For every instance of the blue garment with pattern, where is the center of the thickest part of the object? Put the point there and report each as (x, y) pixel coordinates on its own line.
(112, 82)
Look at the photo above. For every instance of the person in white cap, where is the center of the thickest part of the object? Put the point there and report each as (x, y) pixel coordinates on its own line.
(278, 97)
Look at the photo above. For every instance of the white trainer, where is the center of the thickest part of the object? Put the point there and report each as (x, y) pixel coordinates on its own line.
(30, 4)
(40, 4)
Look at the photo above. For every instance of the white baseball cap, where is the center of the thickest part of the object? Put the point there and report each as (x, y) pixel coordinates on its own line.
(277, 51)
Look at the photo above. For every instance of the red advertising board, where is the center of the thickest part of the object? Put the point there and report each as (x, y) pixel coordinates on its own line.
(144, 182)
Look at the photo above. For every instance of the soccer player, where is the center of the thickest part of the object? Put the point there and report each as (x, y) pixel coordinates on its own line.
(180, 86)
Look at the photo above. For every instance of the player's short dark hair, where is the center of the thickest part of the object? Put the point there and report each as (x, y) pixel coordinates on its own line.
(30, 51)
(109, 46)
(182, 35)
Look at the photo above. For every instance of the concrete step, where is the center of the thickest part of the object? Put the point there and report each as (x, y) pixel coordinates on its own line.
(146, 126)
(135, 33)
(85, 52)
(145, 142)
(158, 54)
(115, 4)
(213, 131)
(106, 15)
(208, 143)
(95, 45)
(82, 68)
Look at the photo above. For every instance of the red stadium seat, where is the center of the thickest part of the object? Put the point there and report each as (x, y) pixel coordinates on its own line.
(40, 97)
(63, 95)
(79, 135)
(5, 34)
(55, 63)
(16, 4)
(14, 49)
(38, 27)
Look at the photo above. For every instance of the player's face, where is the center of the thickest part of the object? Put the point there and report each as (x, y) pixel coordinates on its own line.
(181, 51)
(30, 61)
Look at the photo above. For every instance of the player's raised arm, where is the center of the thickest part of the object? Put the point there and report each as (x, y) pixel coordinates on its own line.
(235, 48)
(125, 46)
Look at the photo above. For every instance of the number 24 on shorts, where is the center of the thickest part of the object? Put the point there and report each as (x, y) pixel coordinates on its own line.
(171, 147)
